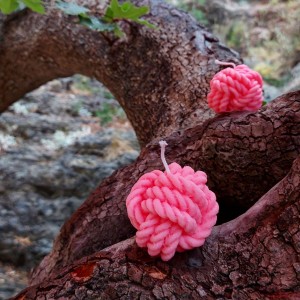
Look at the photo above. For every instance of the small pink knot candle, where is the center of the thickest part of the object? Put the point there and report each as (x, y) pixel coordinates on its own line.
(235, 89)
(172, 210)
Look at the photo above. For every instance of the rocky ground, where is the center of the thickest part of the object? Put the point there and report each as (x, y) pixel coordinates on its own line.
(54, 151)
(265, 32)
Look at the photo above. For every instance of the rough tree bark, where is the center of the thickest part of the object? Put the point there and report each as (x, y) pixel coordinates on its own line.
(161, 78)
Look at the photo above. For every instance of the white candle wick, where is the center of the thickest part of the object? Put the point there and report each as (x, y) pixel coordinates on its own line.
(163, 145)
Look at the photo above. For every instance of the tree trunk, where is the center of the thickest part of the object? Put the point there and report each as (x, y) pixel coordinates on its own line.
(161, 78)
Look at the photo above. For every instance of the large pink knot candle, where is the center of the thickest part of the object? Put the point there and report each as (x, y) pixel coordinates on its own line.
(235, 89)
(172, 210)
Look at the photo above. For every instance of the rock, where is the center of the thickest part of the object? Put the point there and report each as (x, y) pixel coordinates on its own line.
(218, 11)
(11, 280)
(270, 92)
(294, 82)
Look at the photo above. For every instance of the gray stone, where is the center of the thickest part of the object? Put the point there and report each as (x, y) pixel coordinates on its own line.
(294, 82)
(271, 92)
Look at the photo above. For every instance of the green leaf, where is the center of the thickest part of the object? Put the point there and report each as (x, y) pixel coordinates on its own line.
(146, 23)
(126, 6)
(114, 5)
(35, 5)
(71, 8)
(132, 12)
(118, 32)
(109, 15)
(126, 11)
(8, 6)
(95, 23)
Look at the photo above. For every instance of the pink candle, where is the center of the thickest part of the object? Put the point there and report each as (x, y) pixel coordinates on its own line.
(172, 210)
(235, 89)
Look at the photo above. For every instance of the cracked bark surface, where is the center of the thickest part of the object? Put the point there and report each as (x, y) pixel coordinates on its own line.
(255, 256)
(161, 78)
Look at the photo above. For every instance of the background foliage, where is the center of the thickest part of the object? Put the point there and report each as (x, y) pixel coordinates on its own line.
(265, 33)
(115, 12)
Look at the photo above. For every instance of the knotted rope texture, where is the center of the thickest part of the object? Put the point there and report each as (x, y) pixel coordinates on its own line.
(235, 89)
(172, 210)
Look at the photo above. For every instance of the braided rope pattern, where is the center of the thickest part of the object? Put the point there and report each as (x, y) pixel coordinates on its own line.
(172, 211)
(236, 89)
